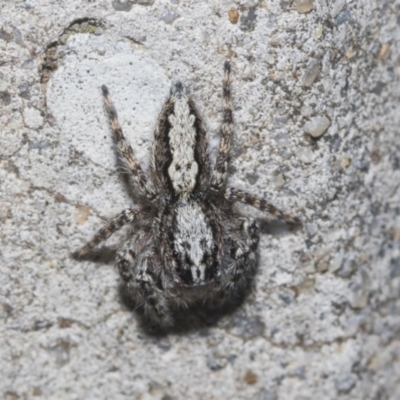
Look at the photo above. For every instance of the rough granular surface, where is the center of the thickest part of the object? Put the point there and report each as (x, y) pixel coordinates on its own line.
(316, 99)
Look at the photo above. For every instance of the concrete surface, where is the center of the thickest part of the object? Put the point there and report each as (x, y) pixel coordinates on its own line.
(316, 94)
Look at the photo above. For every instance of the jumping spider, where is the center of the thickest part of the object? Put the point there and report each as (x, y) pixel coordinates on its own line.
(191, 247)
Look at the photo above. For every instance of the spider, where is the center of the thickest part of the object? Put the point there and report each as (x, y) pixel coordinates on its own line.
(190, 246)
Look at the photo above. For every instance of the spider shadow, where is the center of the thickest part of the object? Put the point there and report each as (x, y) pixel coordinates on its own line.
(101, 255)
(198, 316)
(277, 227)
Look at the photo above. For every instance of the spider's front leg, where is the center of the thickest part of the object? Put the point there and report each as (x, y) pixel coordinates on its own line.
(125, 149)
(226, 131)
(234, 195)
(116, 223)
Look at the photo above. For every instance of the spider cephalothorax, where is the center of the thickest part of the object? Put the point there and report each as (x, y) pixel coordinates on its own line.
(191, 246)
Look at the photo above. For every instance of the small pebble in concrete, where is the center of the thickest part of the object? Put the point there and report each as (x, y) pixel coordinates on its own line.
(250, 378)
(337, 7)
(336, 261)
(24, 92)
(252, 178)
(310, 74)
(303, 6)
(317, 126)
(5, 98)
(233, 15)
(169, 16)
(216, 362)
(311, 229)
(144, 2)
(248, 20)
(305, 155)
(122, 5)
(343, 17)
(28, 64)
(278, 180)
(285, 4)
(360, 289)
(5, 35)
(345, 383)
(82, 214)
(348, 267)
(346, 161)
(268, 395)
(394, 268)
(245, 327)
(18, 36)
(384, 51)
(319, 31)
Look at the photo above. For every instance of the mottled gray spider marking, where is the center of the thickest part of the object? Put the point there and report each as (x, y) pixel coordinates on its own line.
(191, 247)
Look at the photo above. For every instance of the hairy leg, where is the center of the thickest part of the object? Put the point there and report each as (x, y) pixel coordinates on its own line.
(226, 130)
(242, 255)
(234, 195)
(125, 149)
(116, 223)
(140, 274)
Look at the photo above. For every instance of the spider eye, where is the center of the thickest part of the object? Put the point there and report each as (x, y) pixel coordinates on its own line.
(175, 253)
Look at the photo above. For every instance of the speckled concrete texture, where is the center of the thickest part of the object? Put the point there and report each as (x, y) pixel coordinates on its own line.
(316, 97)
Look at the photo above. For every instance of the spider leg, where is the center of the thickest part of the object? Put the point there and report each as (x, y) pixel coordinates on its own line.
(226, 130)
(139, 270)
(243, 252)
(240, 258)
(234, 195)
(116, 223)
(125, 149)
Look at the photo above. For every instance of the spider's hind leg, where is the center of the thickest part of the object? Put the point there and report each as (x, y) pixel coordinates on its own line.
(140, 277)
(240, 257)
(236, 195)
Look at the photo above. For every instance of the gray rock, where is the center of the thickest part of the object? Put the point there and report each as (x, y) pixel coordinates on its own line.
(248, 19)
(5, 98)
(336, 261)
(344, 16)
(252, 178)
(337, 7)
(317, 126)
(25, 92)
(347, 269)
(305, 154)
(169, 16)
(245, 327)
(6, 36)
(144, 2)
(267, 394)
(360, 289)
(394, 267)
(311, 229)
(345, 383)
(18, 36)
(28, 64)
(216, 362)
(311, 73)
